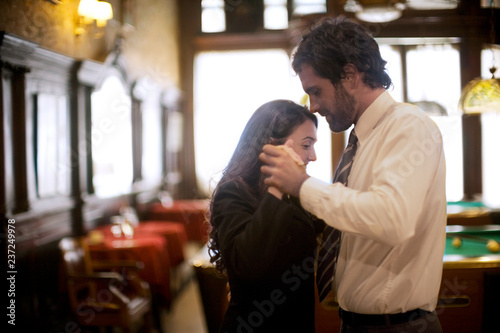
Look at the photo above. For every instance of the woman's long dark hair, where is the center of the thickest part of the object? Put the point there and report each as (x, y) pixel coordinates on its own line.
(271, 123)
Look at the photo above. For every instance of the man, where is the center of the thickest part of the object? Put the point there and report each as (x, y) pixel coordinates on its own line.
(392, 213)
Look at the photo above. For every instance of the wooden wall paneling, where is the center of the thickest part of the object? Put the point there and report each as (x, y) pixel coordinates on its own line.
(173, 123)
(164, 158)
(18, 124)
(7, 163)
(472, 157)
(78, 149)
(86, 76)
(140, 93)
(473, 37)
(28, 71)
(137, 142)
(339, 142)
(32, 70)
(86, 101)
(14, 53)
(190, 18)
(3, 200)
(233, 41)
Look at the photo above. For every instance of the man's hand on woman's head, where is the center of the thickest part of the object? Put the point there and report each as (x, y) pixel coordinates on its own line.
(284, 168)
(288, 147)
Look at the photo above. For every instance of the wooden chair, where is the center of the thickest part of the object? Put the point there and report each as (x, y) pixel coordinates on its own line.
(214, 290)
(104, 298)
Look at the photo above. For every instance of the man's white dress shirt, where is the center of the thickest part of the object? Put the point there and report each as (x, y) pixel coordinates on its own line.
(392, 215)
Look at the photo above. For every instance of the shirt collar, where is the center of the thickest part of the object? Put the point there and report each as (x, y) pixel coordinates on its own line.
(370, 118)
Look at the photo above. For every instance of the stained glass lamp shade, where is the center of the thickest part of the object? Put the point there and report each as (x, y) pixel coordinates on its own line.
(481, 95)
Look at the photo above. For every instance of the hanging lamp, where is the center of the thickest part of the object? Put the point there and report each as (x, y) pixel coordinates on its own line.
(483, 95)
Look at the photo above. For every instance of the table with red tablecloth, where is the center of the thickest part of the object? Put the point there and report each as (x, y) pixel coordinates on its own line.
(174, 234)
(190, 213)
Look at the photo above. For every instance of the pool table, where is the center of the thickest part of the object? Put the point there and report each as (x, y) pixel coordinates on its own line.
(469, 297)
(471, 213)
(470, 287)
(471, 252)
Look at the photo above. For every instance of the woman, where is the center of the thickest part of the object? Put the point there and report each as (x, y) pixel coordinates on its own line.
(263, 241)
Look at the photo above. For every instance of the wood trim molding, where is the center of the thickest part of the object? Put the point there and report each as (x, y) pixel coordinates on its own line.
(233, 41)
(15, 50)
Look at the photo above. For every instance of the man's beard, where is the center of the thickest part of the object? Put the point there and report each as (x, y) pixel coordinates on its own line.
(343, 105)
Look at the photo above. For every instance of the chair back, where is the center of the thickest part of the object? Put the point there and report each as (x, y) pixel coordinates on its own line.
(76, 262)
(75, 256)
(102, 298)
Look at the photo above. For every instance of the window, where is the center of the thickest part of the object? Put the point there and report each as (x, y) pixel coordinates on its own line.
(392, 55)
(213, 18)
(251, 16)
(425, 69)
(303, 7)
(52, 145)
(275, 14)
(433, 75)
(151, 138)
(111, 139)
(225, 96)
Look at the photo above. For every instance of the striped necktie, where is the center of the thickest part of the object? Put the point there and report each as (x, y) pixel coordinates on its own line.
(330, 243)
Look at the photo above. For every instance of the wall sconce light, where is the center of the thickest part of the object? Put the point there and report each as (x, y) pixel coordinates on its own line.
(90, 11)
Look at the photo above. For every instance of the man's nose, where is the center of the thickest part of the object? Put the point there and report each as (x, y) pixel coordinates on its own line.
(314, 107)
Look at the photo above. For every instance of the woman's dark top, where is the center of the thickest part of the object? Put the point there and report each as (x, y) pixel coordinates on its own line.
(268, 250)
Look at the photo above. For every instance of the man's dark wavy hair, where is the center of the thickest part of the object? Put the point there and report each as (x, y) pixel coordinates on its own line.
(331, 43)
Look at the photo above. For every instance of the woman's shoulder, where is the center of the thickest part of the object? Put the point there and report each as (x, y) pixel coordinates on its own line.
(234, 190)
(229, 187)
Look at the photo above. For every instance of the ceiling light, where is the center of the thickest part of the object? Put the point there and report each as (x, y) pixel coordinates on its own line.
(375, 11)
(432, 4)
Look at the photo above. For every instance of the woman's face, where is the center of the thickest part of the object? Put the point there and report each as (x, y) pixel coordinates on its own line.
(304, 138)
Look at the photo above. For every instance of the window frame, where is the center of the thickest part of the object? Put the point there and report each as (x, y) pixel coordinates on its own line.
(468, 21)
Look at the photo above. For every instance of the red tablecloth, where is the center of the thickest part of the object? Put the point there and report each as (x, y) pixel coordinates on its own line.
(151, 250)
(174, 234)
(191, 213)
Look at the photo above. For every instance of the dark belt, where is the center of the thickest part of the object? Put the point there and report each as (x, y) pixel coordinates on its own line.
(357, 319)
